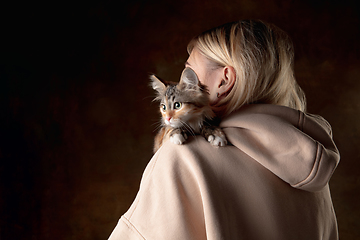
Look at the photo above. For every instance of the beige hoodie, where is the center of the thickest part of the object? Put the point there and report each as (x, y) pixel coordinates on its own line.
(270, 182)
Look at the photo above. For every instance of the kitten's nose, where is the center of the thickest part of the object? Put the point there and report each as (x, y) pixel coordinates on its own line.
(168, 119)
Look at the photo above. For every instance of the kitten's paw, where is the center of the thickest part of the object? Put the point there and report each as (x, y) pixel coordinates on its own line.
(217, 141)
(178, 138)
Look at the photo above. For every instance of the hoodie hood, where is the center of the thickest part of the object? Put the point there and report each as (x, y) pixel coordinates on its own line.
(296, 147)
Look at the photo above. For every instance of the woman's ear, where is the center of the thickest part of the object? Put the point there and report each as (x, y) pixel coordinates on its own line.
(227, 82)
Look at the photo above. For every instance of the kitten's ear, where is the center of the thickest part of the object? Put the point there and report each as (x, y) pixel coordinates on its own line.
(189, 78)
(157, 84)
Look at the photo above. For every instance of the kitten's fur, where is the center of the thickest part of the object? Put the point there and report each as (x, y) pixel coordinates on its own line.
(185, 109)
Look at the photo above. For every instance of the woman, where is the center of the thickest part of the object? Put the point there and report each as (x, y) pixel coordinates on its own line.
(271, 181)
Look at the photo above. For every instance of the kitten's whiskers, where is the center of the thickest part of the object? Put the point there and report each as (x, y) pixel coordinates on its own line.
(157, 125)
(188, 128)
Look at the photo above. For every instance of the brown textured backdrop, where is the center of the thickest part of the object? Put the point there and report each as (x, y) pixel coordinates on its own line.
(76, 117)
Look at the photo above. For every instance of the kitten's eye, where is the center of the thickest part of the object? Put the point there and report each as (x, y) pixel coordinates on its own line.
(177, 105)
(163, 107)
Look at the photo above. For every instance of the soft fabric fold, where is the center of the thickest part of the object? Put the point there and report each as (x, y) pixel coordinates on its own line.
(295, 146)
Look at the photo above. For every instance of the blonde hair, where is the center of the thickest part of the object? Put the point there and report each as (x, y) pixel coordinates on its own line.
(262, 56)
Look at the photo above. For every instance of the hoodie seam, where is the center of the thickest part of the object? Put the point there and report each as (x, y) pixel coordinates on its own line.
(131, 227)
(301, 120)
(314, 170)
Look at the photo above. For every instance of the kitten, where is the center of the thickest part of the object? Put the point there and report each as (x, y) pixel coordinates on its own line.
(185, 110)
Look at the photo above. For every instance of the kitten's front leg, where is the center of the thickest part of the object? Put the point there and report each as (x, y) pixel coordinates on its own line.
(177, 136)
(215, 136)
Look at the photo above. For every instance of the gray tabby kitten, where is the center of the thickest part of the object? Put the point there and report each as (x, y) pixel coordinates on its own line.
(185, 110)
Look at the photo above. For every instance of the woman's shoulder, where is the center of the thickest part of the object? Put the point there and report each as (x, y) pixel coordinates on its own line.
(193, 154)
(196, 157)
(194, 148)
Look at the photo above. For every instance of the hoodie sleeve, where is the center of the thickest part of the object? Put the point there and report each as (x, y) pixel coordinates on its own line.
(295, 146)
(168, 204)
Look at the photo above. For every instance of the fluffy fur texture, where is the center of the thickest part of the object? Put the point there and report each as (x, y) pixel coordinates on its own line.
(185, 110)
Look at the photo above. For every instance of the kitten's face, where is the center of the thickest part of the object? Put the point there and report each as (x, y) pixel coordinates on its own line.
(177, 109)
(184, 104)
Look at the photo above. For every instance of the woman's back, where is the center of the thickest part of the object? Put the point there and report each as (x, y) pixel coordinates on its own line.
(247, 190)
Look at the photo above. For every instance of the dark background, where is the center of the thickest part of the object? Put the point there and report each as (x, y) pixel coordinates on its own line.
(76, 117)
